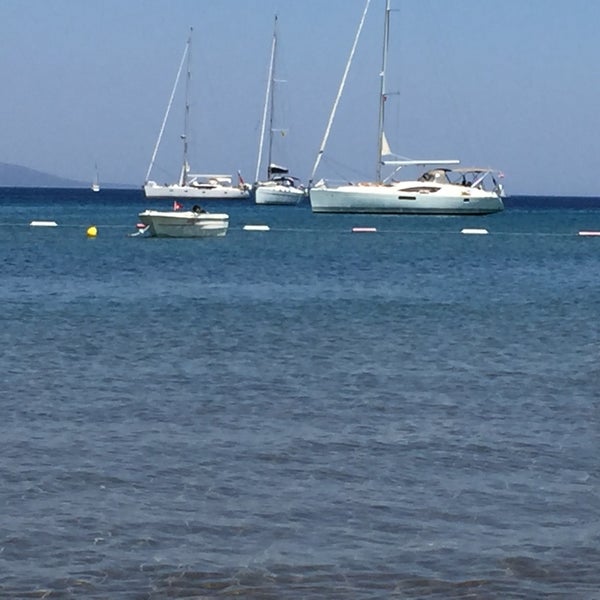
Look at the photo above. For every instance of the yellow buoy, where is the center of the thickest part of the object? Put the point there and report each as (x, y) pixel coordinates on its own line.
(92, 231)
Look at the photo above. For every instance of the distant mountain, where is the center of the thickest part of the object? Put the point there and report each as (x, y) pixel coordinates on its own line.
(19, 176)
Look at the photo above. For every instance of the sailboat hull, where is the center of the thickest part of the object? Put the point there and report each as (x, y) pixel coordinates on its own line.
(397, 199)
(277, 194)
(218, 192)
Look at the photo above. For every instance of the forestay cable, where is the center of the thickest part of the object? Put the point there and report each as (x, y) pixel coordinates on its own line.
(162, 127)
(339, 94)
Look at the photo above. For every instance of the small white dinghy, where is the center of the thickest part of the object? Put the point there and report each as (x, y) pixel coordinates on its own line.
(193, 223)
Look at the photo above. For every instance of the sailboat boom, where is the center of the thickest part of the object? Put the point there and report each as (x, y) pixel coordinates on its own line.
(411, 163)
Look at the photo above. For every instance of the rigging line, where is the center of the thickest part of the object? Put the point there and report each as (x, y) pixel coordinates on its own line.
(164, 122)
(339, 94)
(343, 169)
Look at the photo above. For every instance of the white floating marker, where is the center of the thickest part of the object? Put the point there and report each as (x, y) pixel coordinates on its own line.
(43, 224)
(474, 231)
(256, 228)
(364, 229)
(589, 233)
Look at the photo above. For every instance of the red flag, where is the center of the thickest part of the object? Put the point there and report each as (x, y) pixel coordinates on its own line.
(176, 205)
(241, 181)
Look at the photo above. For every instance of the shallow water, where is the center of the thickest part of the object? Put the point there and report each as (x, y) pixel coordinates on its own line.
(299, 413)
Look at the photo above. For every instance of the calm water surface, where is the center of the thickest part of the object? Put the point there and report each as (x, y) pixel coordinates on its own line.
(300, 413)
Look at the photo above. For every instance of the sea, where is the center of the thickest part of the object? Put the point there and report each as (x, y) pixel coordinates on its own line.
(308, 412)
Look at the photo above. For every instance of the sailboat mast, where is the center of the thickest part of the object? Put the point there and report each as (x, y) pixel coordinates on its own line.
(268, 95)
(382, 90)
(272, 103)
(186, 117)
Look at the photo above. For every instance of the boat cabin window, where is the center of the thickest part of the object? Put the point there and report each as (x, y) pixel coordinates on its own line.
(283, 180)
(422, 189)
(435, 176)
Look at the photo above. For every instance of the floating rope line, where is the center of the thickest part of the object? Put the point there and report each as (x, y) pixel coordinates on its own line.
(356, 228)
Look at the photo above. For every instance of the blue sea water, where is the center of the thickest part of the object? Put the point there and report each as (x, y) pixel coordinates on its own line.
(300, 413)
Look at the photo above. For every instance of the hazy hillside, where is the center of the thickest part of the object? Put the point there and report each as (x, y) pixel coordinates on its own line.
(18, 176)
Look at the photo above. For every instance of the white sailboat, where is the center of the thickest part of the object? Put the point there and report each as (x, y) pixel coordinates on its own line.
(279, 187)
(191, 185)
(441, 190)
(96, 182)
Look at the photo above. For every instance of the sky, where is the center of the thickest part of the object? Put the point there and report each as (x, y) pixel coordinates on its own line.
(513, 85)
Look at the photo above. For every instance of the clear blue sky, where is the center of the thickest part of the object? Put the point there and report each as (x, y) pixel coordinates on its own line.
(512, 84)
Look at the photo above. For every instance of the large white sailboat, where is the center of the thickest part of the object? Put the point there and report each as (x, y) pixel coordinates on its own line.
(279, 187)
(440, 190)
(191, 185)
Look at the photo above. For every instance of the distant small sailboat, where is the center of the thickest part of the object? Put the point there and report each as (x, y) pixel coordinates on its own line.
(96, 182)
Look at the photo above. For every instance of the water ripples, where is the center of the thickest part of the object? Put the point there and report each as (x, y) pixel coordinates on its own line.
(347, 417)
